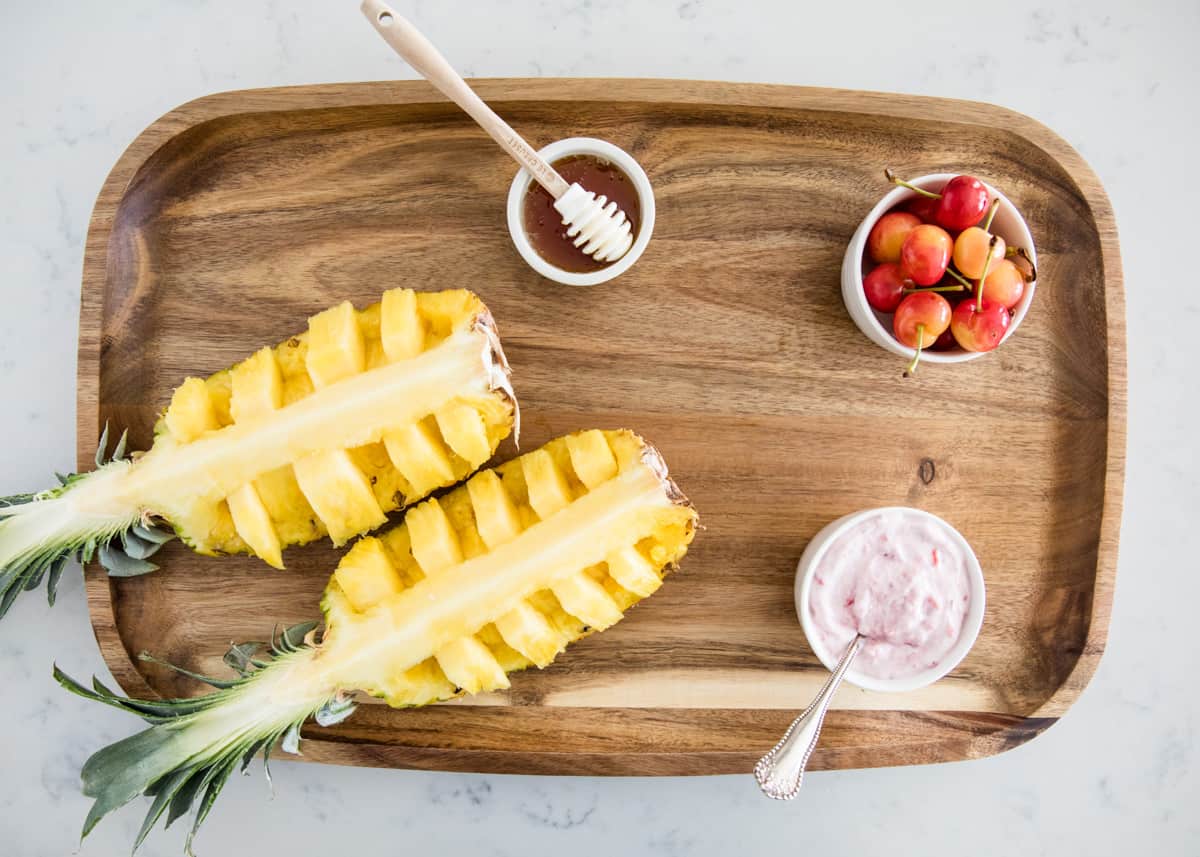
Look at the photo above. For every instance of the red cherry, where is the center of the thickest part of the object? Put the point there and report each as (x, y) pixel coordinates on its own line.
(964, 202)
(885, 287)
(924, 207)
(925, 254)
(979, 329)
(883, 244)
(920, 319)
(1004, 284)
(922, 316)
(945, 342)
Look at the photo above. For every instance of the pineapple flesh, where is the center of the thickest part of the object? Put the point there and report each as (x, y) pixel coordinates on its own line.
(417, 393)
(324, 434)
(505, 571)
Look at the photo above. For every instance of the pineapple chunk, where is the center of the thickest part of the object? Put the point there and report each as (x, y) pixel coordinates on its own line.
(435, 545)
(633, 571)
(419, 455)
(191, 412)
(471, 665)
(531, 634)
(495, 515)
(587, 600)
(548, 489)
(220, 391)
(336, 349)
(591, 457)
(257, 387)
(444, 311)
(419, 685)
(400, 327)
(464, 432)
(253, 524)
(294, 519)
(339, 493)
(366, 575)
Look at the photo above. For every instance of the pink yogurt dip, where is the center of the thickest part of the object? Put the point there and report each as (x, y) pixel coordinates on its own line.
(899, 579)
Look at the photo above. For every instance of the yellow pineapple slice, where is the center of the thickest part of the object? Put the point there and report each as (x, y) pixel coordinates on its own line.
(441, 310)
(419, 685)
(633, 571)
(257, 386)
(220, 391)
(293, 516)
(339, 494)
(401, 329)
(420, 456)
(547, 487)
(463, 430)
(435, 544)
(591, 457)
(529, 632)
(496, 516)
(336, 349)
(470, 665)
(587, 600)
(190, 413)
(366, 574)
(253, 524)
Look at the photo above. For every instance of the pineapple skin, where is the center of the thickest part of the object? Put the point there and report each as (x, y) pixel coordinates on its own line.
(377, 572)
(353, 496)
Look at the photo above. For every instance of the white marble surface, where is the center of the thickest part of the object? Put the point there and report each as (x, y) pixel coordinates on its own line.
(1117, 80)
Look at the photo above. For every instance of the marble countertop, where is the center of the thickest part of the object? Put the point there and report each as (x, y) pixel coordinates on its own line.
(1115, 79)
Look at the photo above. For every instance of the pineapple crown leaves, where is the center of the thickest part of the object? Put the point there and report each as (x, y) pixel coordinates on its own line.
(164, 763)
(122, 547)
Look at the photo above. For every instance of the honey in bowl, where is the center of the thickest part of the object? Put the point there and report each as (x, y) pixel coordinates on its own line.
(543, 224)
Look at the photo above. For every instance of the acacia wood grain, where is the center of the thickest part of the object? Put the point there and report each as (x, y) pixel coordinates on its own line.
(233, 218)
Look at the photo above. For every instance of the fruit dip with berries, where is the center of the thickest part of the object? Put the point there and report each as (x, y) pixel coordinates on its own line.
(901, 580)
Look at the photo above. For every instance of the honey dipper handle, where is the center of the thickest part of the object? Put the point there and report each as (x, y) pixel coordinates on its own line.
(418, 52)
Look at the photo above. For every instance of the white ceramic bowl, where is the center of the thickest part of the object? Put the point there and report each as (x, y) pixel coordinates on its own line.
(1008, 224)
(971, 624)
(599, 149)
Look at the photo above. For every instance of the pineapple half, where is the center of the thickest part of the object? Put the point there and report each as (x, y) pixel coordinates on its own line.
(324, 434)
(498, 574)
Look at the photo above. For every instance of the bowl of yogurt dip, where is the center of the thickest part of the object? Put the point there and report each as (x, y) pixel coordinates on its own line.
(903, 578)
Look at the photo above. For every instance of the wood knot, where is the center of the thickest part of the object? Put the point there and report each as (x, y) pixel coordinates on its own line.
(927, 471)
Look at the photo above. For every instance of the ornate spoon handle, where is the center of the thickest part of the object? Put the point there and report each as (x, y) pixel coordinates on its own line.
(780, 772)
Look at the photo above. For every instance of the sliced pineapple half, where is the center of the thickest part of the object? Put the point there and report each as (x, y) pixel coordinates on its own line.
(508, 569)
(474, 585)
(324, 434)
(420, 376)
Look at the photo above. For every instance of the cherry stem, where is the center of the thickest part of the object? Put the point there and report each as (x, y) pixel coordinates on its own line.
(894, 179)
(956, 275)
(987, 224)
(987, 263)
(955, 288)
(912, 367)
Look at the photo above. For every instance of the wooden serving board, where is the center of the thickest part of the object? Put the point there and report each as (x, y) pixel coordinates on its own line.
(233, 218)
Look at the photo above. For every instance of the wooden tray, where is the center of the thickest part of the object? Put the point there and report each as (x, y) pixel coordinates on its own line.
(231, 219)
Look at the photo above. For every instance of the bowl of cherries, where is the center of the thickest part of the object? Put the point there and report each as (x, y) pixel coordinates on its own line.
(942, 270)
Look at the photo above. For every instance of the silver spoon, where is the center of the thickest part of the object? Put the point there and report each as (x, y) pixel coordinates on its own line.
(780, 772)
